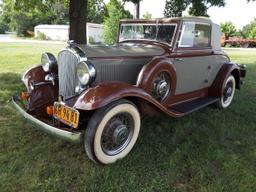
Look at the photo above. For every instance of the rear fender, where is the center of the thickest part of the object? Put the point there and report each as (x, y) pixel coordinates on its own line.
(227, 69)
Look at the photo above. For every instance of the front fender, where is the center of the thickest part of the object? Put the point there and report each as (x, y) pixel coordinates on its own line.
(107, 92)
(150, 71)
(41, 96)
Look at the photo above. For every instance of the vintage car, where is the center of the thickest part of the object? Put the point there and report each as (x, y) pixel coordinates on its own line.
(96, 95)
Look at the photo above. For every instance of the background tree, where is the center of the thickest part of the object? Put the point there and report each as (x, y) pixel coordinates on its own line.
(147, 15)
(116, 12)
(22, 15)
(228, 29)
(198, 8)
(249, 31)
(1, 8)
(174, 8)
(77, 21)
(137, 7)
(3, 21)
(96, 11)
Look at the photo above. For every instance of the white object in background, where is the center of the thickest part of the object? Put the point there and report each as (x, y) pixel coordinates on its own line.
(60, 32)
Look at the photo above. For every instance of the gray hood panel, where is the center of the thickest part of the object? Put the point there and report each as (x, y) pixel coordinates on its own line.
(122, 50)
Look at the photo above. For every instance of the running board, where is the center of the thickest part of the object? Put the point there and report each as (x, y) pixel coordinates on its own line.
(191, 106)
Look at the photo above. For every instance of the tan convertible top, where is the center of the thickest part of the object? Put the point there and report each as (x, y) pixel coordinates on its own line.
(167, 20)
(215, 34)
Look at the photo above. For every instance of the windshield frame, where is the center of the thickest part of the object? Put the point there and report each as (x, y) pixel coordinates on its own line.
(148, 23)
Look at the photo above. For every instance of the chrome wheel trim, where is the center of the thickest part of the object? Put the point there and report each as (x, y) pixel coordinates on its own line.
(117, 133)
(101, 156)
(161, 86)
(228, 92)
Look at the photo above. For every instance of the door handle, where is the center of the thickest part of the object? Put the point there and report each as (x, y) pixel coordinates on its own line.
(179, 59)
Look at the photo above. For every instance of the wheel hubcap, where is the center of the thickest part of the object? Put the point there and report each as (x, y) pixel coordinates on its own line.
(161, 86)
(117, 134)
(120, 134)
(228, 92)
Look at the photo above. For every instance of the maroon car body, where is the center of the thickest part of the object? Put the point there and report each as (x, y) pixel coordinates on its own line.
(97, 94)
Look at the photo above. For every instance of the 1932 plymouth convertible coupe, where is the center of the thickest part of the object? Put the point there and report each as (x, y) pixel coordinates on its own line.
(98, 94)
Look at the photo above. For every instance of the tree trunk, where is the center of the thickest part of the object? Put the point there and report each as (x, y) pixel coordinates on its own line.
(137, 8)
(77, 19)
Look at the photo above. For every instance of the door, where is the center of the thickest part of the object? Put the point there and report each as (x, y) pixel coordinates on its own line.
(194, 57)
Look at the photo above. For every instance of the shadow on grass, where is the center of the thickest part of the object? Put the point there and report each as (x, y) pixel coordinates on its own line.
(10, 83)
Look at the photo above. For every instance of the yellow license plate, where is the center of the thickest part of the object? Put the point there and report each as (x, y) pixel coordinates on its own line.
(66, 115)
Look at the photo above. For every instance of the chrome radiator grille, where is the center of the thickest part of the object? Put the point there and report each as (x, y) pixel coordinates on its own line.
(67, 62)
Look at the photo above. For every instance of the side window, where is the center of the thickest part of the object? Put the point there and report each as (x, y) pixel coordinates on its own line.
(202, 35)
(165, 33)
(195, 35)
(187, 36)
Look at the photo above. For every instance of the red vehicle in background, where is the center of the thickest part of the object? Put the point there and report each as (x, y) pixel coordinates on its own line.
(237, 42)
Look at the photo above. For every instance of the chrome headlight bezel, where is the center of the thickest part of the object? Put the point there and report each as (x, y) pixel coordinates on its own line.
(48, 62)
(85, 72)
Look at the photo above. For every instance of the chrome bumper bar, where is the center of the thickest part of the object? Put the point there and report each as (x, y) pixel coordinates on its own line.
(75, 137)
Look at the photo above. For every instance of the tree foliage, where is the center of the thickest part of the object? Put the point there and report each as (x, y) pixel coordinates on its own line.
(24, 15)
(147, 15)
(200, 7)
(116, 12)
(96, 11)
(137, 7)
(3, 27)
(174, 8)
(133, 1)
(249, 31)
(228, 29)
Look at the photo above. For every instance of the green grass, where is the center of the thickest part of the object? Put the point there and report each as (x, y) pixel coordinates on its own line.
(210, 150)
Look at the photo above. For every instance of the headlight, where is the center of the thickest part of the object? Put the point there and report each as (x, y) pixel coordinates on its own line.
(48, 62)
(86, 73)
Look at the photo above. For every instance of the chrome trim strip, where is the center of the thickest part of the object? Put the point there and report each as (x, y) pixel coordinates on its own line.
(68, 81)
(80, 55)
(75, 137)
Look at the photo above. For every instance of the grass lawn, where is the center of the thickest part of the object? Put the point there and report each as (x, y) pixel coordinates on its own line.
(209, 150)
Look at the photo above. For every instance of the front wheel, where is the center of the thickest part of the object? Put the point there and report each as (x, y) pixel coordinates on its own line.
(112, 132)
(229, 87)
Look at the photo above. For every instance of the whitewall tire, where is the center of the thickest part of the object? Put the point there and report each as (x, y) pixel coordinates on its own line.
(112, 132)
(228, 93)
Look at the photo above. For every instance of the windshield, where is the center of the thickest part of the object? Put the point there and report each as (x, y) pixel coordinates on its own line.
(161, 32)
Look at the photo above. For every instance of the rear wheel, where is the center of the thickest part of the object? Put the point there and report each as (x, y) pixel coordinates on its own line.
(112, 132)
(229, 87)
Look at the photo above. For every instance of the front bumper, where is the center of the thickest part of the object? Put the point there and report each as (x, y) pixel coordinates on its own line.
(75, 137)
